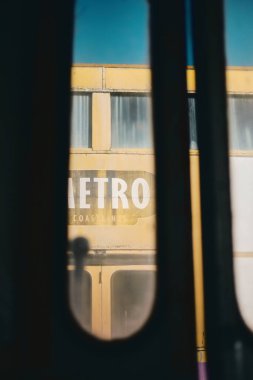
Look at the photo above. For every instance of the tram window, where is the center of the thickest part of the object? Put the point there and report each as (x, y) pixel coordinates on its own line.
(131, 121)
(192, 122)
(131, 300)
(81, 121)
(80, 284)
(240, 113)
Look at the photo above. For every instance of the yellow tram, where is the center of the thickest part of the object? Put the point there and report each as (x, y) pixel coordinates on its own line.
(111, 197)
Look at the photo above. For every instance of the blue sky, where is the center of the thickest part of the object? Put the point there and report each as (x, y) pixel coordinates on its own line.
(239, 32)
(111, 31)
(116, 31)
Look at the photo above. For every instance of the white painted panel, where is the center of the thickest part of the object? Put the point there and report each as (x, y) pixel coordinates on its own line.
(243, 267)
(241, 169)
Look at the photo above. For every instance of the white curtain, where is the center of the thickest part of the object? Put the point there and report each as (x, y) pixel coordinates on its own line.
(80, 136)
(240, 117)
(131, 121)
(240, 122)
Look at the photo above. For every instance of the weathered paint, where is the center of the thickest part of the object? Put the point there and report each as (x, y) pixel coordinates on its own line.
(86, 78)
(128, 79)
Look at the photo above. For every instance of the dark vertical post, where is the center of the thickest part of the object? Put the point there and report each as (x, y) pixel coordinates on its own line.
(171, 133)
(34, 99)
(220, 306)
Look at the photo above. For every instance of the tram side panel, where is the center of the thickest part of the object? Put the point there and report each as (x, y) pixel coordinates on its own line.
(112, 204)
(241, 168)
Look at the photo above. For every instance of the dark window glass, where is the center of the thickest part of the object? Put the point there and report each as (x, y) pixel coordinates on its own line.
(80, 297)
(80, 121)
(132, 299)
(192, 122)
